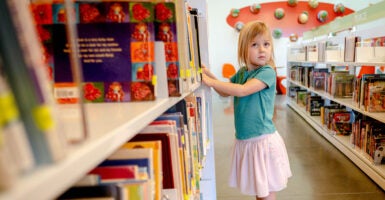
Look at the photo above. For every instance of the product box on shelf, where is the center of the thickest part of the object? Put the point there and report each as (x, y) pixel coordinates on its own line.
(370, 50)
(312, 53)
(350, 48)
(334, 52)
(297, 53)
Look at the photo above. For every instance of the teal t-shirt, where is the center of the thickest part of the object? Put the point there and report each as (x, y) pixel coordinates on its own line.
(253, 114)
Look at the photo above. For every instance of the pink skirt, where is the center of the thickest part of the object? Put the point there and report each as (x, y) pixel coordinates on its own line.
(260, 165)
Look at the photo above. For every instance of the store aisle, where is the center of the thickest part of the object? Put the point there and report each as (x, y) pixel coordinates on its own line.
(320, 171)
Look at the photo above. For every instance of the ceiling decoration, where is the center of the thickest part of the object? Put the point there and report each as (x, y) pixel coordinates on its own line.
(288, 16)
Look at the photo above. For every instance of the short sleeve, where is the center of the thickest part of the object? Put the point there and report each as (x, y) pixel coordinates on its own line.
(266, 74)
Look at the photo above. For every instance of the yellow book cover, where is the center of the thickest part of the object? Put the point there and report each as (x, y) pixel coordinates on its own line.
(157, 156)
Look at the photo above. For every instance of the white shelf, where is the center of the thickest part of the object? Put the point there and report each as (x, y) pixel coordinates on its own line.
(348, 102)
(339, 63)
(110, 125)
(375, 172)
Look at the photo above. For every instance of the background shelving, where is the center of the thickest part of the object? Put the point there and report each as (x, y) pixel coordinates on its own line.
(366, 23)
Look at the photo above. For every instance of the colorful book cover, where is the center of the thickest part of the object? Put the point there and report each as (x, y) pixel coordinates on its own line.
(157, 155)
(376, 94)
(168, 177)
(116, 173)
(116, 50)
(166, 31)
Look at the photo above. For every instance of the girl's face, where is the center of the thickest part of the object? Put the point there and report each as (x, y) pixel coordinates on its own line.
(260, 50)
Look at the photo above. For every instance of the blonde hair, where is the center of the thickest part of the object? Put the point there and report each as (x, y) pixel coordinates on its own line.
(246, 35)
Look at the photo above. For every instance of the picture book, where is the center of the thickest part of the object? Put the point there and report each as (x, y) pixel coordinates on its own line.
(169, 128)
(116, 173)
(156, 146)
(342, 85)
(104, 192)
(341, 123)
(116, 50)
(142, 157)
(376, 95)
(315, 103)
(168, 177)
(318, 78)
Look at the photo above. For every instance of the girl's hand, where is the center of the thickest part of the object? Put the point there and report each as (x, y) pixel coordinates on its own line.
(207, 80)
(207, 72)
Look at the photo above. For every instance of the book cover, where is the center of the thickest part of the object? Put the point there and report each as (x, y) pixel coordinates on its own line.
(90, 192)
(166, 31)
(341, 123)
(116, 173)
(169, 125)
(315, 104)
(376, 94)
(168, 177)
(116, 50)
(157, 155)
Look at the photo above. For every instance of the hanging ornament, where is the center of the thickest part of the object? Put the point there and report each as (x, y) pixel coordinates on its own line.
(239, 25)
(322, 16)
(235, 12)
(303, 17)
(293, 37)
(255, 8)
(277, 33)
(292, 3)
(279, 13)
(313, 3)
(339, 8)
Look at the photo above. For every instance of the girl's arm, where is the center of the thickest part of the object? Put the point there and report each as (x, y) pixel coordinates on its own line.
(232, 89)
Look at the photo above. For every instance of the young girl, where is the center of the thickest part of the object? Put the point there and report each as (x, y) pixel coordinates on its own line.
(260, 165)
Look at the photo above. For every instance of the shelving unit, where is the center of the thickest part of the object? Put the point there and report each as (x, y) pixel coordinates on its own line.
(366, 23)
(110, 125)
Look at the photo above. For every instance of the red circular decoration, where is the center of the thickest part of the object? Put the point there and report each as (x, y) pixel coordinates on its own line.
(289, 24)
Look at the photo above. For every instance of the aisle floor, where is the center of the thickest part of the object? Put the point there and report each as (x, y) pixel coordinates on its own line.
(320, 171)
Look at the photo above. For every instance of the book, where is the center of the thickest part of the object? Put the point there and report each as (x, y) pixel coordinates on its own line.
(157, 156)
(171, 132)
(168, 177)
(341, 123)
(14, 143)
(116, 50)
(105, 192)
(364, 88)
(318, 78)
(167, 31)
(315, 103)
(342, 85)
(29, 82)
(116, 173)
(376, 95)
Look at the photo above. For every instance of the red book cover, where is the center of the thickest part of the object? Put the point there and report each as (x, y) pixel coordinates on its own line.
(112, 173)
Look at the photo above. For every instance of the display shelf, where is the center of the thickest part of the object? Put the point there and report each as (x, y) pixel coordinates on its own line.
(307, 63)
(110, 125)
(375, 172)
(348, 102)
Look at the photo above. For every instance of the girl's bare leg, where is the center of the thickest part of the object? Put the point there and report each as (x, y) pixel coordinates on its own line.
(270, 197)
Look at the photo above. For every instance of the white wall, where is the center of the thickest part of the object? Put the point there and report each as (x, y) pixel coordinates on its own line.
(223, 38)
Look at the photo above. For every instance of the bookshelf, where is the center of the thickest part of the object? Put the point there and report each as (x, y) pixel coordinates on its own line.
(367, 23)
(109, 125)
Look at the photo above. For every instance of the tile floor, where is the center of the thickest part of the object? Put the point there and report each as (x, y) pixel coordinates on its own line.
(320, 171)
